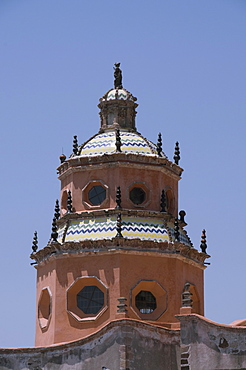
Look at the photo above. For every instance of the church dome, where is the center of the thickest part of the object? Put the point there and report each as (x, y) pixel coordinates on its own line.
(118, 94)
(131, 142)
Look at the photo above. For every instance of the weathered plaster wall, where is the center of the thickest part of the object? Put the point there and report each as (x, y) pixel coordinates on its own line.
(120, 271)
(210, 346)
(121, 345)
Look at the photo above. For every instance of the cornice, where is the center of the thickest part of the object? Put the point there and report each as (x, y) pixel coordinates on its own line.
(77, 164)
(174, 250)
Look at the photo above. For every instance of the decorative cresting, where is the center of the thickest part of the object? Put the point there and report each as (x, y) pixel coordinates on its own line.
(117, 106)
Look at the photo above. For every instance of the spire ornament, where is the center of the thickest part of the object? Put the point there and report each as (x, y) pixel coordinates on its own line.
(118, 141)
(159, 145)
(75, 145)
(117, 76)
(35, 242)
(176, 153)
(62, 158)
(69, 202)
(54, 234)
(118, 198)
(203, 244)
(163, 201)
(182, 216)
(176, 231)
(118, 226)
(57, 210)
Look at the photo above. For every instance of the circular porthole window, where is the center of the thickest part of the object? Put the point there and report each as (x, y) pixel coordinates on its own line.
(137, 195)
(97, 195)
(90, 299)
(145, 301)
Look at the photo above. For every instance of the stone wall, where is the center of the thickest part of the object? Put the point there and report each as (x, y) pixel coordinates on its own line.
(121, 345)
(206, 345)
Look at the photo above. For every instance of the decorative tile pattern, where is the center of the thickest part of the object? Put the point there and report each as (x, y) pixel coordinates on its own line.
(122, 95)
(183, 238)
(105, 228)
(105, 143)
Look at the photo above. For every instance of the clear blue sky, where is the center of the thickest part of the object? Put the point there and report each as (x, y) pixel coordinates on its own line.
(185, 61)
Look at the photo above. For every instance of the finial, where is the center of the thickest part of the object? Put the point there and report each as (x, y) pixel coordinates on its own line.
(163, 201)
(54, 234)
(176, 153)
(118, 141)
(62, 158)
(118, 226)
(176, 230)
(69, 202)
(75, 145)
(186, 296)
(203, 244)
(182, 216)
(159, 145)
(118, 198)
(35, 242)
(122, 306)
(117, 76)
(57, 210)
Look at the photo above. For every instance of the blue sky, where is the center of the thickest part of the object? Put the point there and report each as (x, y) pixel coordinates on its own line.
(185, 61)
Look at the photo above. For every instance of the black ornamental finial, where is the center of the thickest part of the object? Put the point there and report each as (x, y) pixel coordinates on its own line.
(62, 158)
(186, 296)
(159, 145)
(163, 201)
(54, 234)
(35, 242)
(75, 145)
(117, 76)
(176, 153)
(118, 226)
(118, 141)
(118, 198)
(69, 202)
(203, 244)
(57, 210)
(176, 230)
(182, 216)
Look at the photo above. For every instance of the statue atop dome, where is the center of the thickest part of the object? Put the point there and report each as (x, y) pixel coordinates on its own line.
(117, 76)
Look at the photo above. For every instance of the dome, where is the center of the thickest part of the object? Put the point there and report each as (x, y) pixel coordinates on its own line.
(131, 142)
(105, 227)
(118, 94)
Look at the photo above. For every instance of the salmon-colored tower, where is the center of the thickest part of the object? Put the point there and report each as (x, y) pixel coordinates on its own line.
(118, 248)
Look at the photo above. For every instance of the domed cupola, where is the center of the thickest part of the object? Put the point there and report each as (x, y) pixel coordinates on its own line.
(118, 248)
(118, 106)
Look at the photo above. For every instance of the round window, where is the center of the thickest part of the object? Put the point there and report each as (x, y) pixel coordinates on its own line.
(90, 299)
(145, 301)
(97, 195)
(137, 195)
